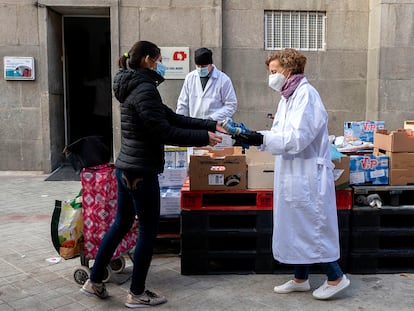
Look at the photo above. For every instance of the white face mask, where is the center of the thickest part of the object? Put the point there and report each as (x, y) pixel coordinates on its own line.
(276, 81)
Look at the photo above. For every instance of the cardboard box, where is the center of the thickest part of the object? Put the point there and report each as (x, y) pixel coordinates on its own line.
(173, 177)
(170, 201)
(368, 169)
(409, 125)
(218, 169)
(341, 172)
(362, 130)
(260, 169)
(401, 167)
(401, 140)
(175, 157)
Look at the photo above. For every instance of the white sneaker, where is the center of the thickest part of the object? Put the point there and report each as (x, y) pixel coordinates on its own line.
(327, 291)
(292, 286)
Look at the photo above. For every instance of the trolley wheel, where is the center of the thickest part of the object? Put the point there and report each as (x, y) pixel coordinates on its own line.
(117, 265)
(81, 274)
(107, 274)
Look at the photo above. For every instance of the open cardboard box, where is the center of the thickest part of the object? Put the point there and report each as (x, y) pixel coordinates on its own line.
(401, 140)
(218, 169)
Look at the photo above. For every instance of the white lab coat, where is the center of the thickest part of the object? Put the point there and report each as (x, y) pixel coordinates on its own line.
(305, 217)
(217, 101)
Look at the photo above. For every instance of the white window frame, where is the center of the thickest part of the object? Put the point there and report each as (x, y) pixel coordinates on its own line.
(279, 32)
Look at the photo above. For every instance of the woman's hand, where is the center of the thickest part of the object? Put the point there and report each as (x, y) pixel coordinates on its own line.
(213, 139)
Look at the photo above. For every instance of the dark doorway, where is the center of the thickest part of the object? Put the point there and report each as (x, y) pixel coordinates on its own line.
(87, 50)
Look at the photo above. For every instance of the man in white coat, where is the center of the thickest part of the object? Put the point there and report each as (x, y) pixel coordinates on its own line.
(305, 217)
(207, 93)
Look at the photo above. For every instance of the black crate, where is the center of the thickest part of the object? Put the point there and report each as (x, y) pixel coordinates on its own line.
(168, 237)
(363, 239)
(169, 225)
(387, 217)
(226, 241)
(344, 247)
(238, 234)
(226, 263)
(382, 240)
(240, 221)
(227, 221)
(384, 261)
(390, 195)
(344, 218)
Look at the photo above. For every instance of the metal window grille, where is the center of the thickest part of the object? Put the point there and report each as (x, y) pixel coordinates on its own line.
(295, 29)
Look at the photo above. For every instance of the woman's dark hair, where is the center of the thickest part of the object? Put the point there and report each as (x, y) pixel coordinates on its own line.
(138, 51)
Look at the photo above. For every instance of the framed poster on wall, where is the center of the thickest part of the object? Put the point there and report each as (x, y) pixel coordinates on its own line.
(19, 68)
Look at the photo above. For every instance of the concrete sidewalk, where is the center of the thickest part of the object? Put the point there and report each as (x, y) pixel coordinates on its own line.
(29, 282)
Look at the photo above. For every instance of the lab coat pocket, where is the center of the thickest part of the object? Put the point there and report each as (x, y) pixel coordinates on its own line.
(296, 189)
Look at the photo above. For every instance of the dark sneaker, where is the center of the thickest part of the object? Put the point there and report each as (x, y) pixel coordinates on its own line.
(94, 289)
(146, 299)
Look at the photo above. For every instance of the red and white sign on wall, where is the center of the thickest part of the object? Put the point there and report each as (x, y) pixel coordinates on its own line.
(176, 61)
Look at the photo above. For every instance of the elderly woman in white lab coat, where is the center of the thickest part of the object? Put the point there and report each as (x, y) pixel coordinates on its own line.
(305, 217)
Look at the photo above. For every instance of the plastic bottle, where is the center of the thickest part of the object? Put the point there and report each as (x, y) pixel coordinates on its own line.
(234, 128)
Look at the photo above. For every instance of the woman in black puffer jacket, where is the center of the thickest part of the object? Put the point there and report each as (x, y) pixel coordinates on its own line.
(146, 126)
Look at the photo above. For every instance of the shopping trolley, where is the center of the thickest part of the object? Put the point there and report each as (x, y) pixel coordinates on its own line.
(99, 205)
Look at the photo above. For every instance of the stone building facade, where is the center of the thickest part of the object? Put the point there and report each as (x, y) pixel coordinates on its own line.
(365, 71)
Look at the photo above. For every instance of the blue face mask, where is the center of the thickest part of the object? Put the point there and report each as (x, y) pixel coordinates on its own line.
(160, 69)
(202, 72)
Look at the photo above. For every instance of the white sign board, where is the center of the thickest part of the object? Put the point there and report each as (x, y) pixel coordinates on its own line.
(176, 61)
(19, 68)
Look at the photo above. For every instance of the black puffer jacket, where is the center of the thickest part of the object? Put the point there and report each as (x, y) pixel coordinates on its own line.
(147, 124)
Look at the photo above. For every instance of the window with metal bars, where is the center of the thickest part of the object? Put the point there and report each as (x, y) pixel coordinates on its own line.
(301, 30)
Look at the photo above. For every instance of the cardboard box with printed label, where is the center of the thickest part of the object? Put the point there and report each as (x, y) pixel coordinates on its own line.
(260, 169)
(218, 169)
(368, 169)
(362, 130)
(395, 141)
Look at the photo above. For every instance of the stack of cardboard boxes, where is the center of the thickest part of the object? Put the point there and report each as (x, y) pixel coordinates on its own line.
(398, 147)
(171, 180)
(364, 168)
(391, 161)
(225, 168)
